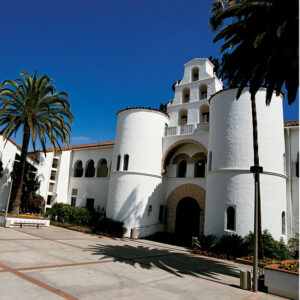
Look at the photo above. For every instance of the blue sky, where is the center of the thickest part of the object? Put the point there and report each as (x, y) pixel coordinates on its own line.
(107, 55)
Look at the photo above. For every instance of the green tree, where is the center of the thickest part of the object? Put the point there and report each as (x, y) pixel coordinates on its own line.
(261, 40)
(30, 186)
(31, 104)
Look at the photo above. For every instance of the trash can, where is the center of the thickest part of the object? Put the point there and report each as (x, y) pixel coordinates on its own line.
(134, 233)
(245, 280)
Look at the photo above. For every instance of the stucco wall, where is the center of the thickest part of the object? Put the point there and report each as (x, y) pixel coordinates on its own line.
(230, 181)
(130, 195)
(63, 177)
(44, 172)
(139, 134)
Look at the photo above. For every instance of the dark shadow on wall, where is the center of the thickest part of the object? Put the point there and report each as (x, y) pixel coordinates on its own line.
(135, 210)
(172, 261)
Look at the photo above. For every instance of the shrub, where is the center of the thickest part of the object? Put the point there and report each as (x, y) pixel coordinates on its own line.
(96, 219)
(232, 245)
(272, 248)
(70, 214)
(34, 204)
(102, 224)
(293, 245)
(208, 242)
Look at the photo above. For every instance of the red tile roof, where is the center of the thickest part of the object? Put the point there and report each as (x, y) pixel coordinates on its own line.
(291, 123)
(79, 146)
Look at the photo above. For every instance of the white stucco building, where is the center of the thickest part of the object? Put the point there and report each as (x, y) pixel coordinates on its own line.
(186, 170)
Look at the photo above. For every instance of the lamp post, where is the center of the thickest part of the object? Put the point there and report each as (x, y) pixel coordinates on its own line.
(7, 203)
(256, 170)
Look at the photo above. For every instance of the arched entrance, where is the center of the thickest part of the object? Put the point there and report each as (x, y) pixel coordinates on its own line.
(187, 219)
(193, 191)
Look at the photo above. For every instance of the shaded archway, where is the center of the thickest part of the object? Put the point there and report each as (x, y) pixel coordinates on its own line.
(187, 223)
(185, 191)
(174, 147)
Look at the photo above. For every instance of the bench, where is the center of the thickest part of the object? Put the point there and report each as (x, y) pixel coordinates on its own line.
(29, 224)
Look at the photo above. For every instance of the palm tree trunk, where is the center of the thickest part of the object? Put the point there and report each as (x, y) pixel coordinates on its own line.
(21, 170)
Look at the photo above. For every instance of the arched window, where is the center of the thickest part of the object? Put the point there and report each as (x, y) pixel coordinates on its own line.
(78, 169)
(102, 169)
(90, 169)
(182, 117)
(204, 113)
(118, 162)
(185, 95)
(203, 92)
(200, 168)
(126, 162)
(283, 223)
(230, 218)
(199, 160)
(195, 74)
(181, 168)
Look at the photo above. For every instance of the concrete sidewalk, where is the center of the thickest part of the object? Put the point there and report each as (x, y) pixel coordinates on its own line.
(56, 263)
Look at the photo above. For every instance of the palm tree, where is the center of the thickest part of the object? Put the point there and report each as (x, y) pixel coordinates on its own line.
(261, 39)
(32, 104)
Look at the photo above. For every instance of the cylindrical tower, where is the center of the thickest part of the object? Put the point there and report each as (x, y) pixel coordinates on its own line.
(230, 185)
(135, 185)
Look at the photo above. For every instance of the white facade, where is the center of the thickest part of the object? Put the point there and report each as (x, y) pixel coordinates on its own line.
(187, 169)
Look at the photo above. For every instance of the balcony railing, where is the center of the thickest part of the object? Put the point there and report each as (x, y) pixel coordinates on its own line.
(188, 129)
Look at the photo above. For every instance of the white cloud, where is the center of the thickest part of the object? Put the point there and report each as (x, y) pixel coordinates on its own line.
(80, 139)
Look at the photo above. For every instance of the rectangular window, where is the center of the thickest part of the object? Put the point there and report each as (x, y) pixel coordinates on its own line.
(53, 175)
(55, 163)
(73, 201)
(49, 200)
(74, 192)
(90, 203)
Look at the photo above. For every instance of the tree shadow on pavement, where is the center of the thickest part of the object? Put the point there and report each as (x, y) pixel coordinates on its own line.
(174, 262)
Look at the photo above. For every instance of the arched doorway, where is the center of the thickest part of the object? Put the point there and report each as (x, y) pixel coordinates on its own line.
(187, 219)
(197, 193)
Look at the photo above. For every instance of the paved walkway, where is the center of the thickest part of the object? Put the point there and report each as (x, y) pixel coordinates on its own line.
(56, 263)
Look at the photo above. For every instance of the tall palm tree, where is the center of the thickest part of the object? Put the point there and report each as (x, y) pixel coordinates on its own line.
(32, 104)
(261, 40)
